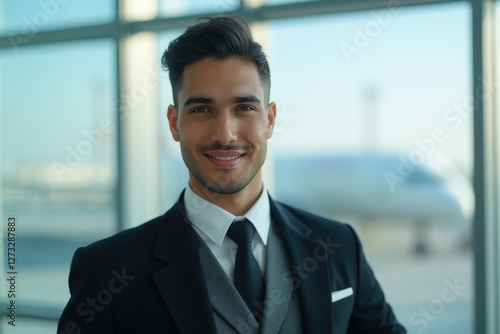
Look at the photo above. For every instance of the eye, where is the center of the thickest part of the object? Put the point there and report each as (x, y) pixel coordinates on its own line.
(199, 110)
(245, 108)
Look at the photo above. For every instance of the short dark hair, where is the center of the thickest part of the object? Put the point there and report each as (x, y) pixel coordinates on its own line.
(218, 37)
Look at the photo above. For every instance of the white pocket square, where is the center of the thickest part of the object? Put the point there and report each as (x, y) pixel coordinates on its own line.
(340, 294)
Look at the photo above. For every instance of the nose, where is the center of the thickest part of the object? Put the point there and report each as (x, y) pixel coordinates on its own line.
(224, 128)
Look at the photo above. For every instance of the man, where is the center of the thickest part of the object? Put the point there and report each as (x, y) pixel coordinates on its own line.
(226, 258)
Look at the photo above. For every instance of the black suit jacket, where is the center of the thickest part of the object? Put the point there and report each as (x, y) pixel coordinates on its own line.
(148, 279)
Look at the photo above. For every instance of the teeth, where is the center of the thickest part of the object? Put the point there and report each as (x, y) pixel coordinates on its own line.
(226, 158)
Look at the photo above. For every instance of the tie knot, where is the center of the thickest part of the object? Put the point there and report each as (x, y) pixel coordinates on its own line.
(241, 232)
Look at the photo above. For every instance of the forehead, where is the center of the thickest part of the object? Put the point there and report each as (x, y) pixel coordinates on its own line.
(221, 79)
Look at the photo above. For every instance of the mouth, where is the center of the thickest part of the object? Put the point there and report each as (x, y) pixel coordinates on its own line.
(225, 159)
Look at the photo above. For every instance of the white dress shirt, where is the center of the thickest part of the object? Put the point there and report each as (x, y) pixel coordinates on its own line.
(211, 222)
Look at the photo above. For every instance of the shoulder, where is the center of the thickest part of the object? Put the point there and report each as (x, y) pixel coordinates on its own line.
(141, 234)
(130, 253)
(126, 247)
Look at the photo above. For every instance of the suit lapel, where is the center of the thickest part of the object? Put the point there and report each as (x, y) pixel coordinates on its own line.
(181, 283)
(225, 299)
(309, 273)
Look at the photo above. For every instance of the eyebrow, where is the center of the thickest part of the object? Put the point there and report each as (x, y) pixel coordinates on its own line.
(198, 99)
(208, 100)
(247, 98)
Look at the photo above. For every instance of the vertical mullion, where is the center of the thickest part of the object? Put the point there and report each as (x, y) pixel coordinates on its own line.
(478, 178)
(2, 271)
(495, 223)
(486, 245)
(119, 196)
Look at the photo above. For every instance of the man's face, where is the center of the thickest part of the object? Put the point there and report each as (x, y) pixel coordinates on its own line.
(222, 124)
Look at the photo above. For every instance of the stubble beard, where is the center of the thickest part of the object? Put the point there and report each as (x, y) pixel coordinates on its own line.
(228, 183)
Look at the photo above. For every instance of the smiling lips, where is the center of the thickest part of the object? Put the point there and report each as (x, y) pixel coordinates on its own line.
(224, 159)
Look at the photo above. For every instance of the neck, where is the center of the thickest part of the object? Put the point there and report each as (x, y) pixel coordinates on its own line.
(238, 203)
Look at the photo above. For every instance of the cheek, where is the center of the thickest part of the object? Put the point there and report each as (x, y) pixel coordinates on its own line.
(255, 133)
(187, 143)
(189, 134)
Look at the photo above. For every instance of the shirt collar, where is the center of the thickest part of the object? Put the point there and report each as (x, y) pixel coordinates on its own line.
(214, 221)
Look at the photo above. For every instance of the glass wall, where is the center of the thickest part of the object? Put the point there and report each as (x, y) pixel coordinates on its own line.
(58, 158)
(32, 16)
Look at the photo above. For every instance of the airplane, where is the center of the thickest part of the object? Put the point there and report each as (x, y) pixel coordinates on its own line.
(377, 186)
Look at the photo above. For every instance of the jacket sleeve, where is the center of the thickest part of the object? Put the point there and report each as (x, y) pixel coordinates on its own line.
(86, 312)
(371, 313)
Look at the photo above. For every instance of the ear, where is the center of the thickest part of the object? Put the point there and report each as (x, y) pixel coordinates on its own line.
(271, 118)
(173, 122)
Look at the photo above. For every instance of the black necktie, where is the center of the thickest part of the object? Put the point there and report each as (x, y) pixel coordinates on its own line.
(248, 277)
